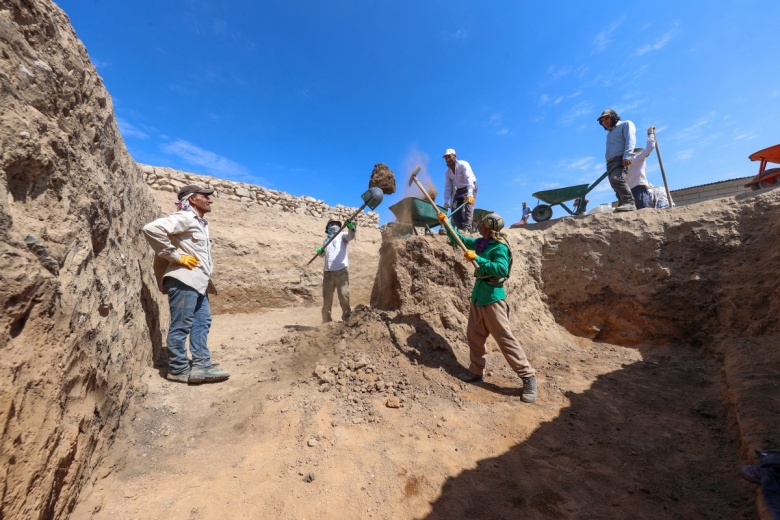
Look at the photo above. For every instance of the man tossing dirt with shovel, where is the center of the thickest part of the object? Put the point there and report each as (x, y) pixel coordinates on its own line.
(489, 312)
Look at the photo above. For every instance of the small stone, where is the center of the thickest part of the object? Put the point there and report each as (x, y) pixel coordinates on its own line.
(393, 402)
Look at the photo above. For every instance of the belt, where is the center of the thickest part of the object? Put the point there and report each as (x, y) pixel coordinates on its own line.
(614, 158)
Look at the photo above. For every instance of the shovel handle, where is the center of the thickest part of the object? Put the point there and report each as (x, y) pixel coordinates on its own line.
(663, 173)
(436, 208)
(333, 237)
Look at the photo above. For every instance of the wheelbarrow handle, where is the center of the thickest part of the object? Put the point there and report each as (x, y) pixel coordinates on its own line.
(446, 222)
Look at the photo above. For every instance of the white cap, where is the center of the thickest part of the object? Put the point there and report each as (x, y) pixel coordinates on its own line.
(449, 151)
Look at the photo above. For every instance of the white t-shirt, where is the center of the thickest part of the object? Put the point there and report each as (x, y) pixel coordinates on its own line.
(336, 257)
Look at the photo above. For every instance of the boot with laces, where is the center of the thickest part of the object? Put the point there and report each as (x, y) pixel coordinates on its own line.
(530, 390)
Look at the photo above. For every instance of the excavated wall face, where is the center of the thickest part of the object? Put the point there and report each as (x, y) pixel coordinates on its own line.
(79, 305)
(686, 275)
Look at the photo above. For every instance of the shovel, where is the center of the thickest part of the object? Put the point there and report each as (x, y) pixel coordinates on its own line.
(413, 178)
(372, 198)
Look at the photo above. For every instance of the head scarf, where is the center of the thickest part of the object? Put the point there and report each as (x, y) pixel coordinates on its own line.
(184, 205)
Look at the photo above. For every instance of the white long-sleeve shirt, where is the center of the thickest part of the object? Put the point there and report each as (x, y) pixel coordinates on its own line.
(462, 177)
(637, 170)
(175, 235)
(336, 256)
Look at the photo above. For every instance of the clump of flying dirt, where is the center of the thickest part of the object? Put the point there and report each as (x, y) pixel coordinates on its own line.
(383, 178)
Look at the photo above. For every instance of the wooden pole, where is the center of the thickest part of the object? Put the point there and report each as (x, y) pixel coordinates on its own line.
(661, 164)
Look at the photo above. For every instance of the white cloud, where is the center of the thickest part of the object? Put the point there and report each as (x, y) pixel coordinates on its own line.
(209, 161)
(460, 34)
(100, 64)
(604, 38)
(544, 99)
(496, 121)
(584, 163)
(581, 109)
(220, 27)
(129, 130)
(658, 45)
(556, 73)
(745, 136)
(686, 154)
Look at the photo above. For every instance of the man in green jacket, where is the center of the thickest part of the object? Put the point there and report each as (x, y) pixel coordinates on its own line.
(489, 312)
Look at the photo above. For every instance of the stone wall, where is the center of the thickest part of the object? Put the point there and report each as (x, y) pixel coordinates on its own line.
(168, 179)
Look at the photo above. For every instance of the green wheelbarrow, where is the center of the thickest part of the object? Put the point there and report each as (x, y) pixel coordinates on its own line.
(411, 213)
(479, 215)
(559, 196)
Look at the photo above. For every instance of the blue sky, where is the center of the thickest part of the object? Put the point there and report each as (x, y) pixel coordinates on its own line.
(306, 97)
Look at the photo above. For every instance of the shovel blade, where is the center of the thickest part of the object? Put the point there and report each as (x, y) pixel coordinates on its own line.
(373, 197)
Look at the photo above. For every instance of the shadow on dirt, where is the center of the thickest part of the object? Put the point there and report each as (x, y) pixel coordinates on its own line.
(647, 441)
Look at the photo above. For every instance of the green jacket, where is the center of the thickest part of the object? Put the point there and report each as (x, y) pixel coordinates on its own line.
(493, 261)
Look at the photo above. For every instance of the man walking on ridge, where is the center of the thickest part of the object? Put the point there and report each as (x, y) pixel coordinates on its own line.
(460, 185)
(183, 267)
(621, 140)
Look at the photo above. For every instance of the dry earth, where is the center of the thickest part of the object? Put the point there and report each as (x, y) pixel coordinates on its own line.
(654, 335)
(646, 412)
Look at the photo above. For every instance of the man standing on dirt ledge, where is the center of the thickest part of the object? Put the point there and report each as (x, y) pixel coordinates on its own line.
(460, 186)
(183, 268)
(621, 140)
(489, 312)
(336, 274)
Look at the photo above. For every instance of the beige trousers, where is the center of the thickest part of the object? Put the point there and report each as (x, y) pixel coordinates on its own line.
(493, 319)
(335, 281)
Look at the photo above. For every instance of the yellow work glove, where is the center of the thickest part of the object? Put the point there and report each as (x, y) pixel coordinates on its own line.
(187, 261)
(470, 255)
(470, 200)
(442, 217)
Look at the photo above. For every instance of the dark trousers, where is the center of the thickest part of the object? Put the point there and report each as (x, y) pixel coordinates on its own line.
(462, 218)
(641, 196)
(617, 179)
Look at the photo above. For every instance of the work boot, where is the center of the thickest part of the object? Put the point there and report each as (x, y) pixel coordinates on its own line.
(471, 377)
(181, 377)
(209, 374)
(626, 207)
(530, 391)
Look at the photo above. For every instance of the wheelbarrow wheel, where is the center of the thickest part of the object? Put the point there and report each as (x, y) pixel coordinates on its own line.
(541, 213)
(768, 183)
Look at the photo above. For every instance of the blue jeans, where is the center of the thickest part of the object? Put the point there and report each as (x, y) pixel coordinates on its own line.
(190, 315)
(641, 197)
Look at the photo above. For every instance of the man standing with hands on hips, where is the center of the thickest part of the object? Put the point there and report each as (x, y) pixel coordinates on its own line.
(183, 268)
(621, 140)
(460, 186)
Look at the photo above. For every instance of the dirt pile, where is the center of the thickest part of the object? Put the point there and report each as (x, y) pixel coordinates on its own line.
(77, 297)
